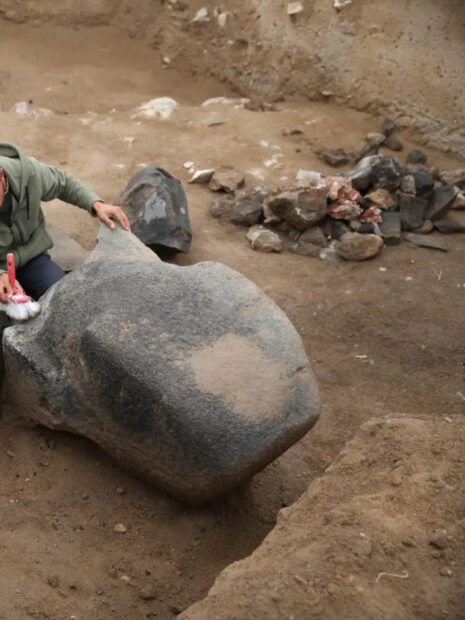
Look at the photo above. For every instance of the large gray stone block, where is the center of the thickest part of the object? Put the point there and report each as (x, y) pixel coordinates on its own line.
(190, 376)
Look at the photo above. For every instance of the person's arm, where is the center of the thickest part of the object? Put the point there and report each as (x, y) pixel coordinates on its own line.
(57, 183)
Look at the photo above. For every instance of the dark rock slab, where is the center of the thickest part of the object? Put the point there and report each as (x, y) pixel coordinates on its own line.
(424, 183)
(334, 157)
(449, 226)
(300, 208)
(367, 150)
(190, 376)
(391, 227)
(412, 210)
(441, 202)
(381, 171)
(427, 241)
(245, 208)
(156, 206)
(314, 235)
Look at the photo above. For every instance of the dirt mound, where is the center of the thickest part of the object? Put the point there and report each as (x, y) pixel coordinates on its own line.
(379, 550)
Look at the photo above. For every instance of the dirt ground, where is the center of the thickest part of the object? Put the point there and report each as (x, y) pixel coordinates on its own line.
(60, 497)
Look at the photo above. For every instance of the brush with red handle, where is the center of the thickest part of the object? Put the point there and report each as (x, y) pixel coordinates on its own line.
(20, 306)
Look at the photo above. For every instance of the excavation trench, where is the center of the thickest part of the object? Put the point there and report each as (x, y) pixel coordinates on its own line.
(364, 328)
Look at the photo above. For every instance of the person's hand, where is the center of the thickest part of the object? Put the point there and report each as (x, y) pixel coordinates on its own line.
(5, 288)
(106, 213)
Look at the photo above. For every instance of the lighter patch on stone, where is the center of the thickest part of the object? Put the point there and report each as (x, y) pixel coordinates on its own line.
(236, 370)
(155, 208)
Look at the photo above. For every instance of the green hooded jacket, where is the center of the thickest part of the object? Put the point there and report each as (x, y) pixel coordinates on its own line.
(30, 182)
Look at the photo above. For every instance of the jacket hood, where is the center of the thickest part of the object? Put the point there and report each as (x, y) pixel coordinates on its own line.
(17, 167)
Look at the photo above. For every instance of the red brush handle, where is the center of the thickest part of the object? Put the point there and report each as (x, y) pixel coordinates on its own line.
(10, 263)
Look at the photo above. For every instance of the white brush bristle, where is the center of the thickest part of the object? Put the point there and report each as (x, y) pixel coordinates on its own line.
(22, 312)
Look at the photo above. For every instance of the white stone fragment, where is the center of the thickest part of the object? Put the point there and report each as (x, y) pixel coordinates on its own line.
(223, 19)
(161, 108)
(202, 176)
(293, 8)
(340, 4)
(201, 15)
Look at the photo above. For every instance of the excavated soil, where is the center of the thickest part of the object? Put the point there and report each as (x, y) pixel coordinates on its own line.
(383, 337)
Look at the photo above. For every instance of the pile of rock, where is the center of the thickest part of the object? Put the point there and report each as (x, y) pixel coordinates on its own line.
(350, 216)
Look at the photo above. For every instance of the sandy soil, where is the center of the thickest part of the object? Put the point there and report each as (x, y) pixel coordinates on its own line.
(58, 497)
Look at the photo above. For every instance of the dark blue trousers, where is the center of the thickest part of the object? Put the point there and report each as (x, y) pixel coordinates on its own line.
(38, 275)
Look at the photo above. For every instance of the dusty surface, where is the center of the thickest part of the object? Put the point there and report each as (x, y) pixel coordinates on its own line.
(380, 341)
(388, 547)
(407, 59)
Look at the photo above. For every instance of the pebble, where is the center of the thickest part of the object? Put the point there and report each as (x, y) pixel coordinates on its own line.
(120, 528)
(376, 138)
(439, 540)
(393, 143)
(120, 491)
(294, 8)
(99, 591)
(388, 127)
(445, 572)
(148, 593)
(264, 240)
(53, 581)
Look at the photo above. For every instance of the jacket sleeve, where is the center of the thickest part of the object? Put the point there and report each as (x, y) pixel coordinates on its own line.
(56, 183)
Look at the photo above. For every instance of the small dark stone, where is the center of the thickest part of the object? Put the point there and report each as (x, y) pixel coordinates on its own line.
(411, 210)
(381, 171)
(425, 241)
(306, 249)
(99, 591)
(416, 157)
(314, 235)
(439, 541)
(441, 202)
(407, 185)
(148, 593)
(393, 143)
(388, 127)
(368, 149)
(448, 226)
(245, 209)
(334, 157)
(175, 610)
(369, 228)
(339, 229)
(424, 183)
(386, 173)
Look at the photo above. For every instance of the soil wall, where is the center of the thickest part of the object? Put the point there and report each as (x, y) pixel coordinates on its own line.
(405, 58)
